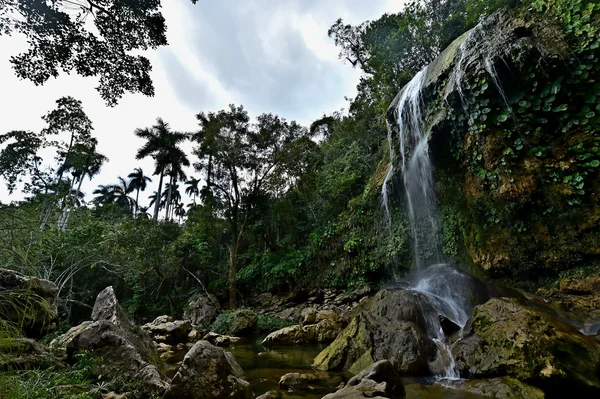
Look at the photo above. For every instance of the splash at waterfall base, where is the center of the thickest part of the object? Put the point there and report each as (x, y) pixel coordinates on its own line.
(428, 328)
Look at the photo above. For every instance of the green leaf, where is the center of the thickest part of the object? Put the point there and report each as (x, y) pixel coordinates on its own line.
(595, 163)
(560, 108)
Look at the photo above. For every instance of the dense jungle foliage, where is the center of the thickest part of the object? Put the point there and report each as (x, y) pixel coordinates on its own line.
(276, 206)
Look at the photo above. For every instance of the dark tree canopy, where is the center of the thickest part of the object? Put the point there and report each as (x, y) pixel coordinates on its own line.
(60, 40)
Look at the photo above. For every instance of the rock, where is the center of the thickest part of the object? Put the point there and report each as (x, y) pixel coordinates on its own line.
(164, 329)
(324, 331)
(127, 352)
(301, 381)
(507, 338)
(221, 340)
(244, 322)
(270, 395)
(290, 313)
(309, 316)
(193, 335)
(497, 388)
(380, 379)
(330, 316)
(203, 311)
(390, 326)
(37, 295)
(27, 354)
(208, 372)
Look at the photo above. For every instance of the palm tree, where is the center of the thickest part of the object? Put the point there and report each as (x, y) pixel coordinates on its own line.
(172, 191)
(193, 188)
(120, 194)
(153, 197)
(138, 182)
(180, 211)
(177, 161)
(103, 195)
(161, 144)
(143, 212)
(82, 161)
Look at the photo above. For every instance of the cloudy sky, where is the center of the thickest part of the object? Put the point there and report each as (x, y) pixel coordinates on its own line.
(268, 55)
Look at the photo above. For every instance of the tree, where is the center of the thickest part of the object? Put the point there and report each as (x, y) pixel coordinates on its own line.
(93, 38)
(247, 161)
(138, 182)
(120, 194)
(162, 145)
(193, 188)
(177, 160)
(82, 161)
(104, 195)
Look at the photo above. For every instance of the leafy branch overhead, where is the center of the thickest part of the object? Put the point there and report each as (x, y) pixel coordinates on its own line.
(99, 38)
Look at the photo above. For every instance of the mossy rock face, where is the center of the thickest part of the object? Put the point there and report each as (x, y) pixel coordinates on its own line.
(389, 327)
(512, 110)
(506, 338)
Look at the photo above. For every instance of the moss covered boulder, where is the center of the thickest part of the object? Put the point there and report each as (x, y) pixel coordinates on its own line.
(390, 326)
(507, 338)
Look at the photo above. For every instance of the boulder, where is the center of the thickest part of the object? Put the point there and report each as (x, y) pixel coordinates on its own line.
(507, 338)
(244, 322)
(203, 310)
(270, 395)
(128, 354)
(164, 329)
(37, 295)
(390, 326)
(378, 380)
(221, 340)
(302, 381)
(325, 331)
(208, 372)
(497, 388)
(27, 354)
(309, 316)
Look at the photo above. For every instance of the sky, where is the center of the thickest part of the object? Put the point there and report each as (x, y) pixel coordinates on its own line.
(271, 56)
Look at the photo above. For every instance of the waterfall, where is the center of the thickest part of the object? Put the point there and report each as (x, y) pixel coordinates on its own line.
(417, 173)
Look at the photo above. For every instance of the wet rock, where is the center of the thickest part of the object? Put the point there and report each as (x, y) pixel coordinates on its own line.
(221, 340)
(448, 326)
(507, 338)
(208, 372)
(498, 388)
(390, 326)
(244, 322)
(203, 311)
(26, 354)
(301, 381)
(164, 329)
(379, 380)
(127, 352)
(40, 318)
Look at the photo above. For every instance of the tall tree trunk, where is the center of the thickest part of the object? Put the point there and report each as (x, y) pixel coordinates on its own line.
(167, 214)
(158, 194)
(233, 275)
(137, 197)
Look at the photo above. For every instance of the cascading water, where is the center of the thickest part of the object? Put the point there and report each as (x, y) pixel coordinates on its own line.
(451, 292)
(417, 173)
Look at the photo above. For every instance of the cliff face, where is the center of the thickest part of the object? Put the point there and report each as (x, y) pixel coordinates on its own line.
(514, 112)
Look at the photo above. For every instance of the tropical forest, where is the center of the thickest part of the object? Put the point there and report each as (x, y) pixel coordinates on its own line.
(388, 199)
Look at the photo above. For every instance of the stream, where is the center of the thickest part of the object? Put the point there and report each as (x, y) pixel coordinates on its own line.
(264, 368)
